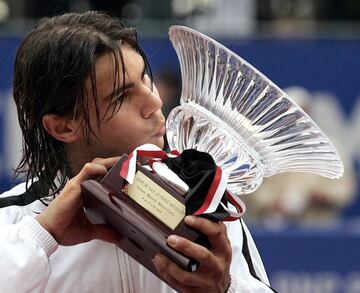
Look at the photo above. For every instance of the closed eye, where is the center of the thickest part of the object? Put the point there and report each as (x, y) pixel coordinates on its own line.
(121, 97)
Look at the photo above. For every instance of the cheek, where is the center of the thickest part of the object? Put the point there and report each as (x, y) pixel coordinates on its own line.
(124, 130)
(120, 128)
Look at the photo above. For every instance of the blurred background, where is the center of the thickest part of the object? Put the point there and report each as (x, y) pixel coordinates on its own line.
(307, 228)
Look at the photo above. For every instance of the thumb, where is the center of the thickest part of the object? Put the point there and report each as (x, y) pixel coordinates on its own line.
(105, 233)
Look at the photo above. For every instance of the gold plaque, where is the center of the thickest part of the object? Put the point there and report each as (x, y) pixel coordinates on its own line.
(156, 200)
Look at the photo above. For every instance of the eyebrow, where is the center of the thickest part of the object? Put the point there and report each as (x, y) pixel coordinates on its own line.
(116, 92)
(122, 89)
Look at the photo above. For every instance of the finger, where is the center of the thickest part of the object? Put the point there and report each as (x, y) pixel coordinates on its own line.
(159, 262)
(89, 171)
(72, 190)
(105, 233)
(216, 232)
(107, 162)
(174, 275)
(198, 252)
(98, 167)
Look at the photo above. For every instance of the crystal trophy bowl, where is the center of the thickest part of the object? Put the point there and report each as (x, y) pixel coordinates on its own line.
(248, 125)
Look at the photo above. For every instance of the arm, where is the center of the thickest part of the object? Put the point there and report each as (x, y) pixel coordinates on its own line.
(25, 247)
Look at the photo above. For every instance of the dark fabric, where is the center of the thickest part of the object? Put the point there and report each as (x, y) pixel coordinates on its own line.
(32, 194)
(246, 254)
(197, 170)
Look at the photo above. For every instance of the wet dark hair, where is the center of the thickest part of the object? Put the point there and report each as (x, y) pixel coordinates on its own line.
(51, 66)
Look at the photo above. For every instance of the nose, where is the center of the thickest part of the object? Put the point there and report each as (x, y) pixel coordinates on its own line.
(152, 103)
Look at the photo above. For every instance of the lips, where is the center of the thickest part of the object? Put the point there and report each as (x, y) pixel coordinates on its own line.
(161, 130)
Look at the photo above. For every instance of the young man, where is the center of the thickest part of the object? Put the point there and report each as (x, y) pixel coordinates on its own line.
(84, 94)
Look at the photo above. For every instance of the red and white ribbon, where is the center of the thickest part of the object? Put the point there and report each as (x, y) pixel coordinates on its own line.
(216, 190)
(148, 150)
(215, 193)
(237, 203)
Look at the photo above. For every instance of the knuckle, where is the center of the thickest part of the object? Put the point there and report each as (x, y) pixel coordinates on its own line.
(87, 166)
(185, 244)
(198, 221)
(223, 228)
(161, 269)
(220, 271)
(74, 188)
(205, 255)
(70, 183)
(184, 278)
(97, 160)
(217, 230)
(228, 252)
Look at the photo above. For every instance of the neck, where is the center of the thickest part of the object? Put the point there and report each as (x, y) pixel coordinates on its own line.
(77, 158)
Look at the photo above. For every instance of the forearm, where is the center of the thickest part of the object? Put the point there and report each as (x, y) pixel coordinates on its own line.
(25, 249)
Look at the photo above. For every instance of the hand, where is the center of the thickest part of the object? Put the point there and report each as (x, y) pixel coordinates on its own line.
(65, 219)
(214, 264)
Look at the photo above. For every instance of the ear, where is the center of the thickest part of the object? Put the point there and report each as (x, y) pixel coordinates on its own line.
(61, 128)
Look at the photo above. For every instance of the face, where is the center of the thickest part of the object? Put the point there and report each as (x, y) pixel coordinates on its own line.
(139, 119)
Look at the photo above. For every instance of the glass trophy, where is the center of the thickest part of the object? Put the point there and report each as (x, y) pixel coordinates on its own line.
(250, 127)
(229, 110)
